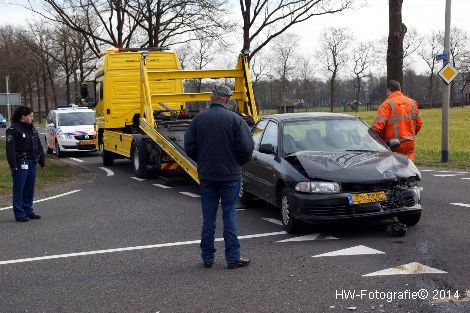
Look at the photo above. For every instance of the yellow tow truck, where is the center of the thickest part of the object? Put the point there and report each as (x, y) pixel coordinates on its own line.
(141, 111)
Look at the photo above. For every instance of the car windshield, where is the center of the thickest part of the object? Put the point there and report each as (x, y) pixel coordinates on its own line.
(329, 135)
(1, 117)
(76, 118)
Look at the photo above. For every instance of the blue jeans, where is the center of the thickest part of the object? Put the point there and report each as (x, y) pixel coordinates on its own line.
(227, 192)
(23, 188)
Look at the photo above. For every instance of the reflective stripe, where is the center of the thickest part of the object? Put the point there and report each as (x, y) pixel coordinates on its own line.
(382, 119)
(399, 118)
(412, 137)
(394, 116)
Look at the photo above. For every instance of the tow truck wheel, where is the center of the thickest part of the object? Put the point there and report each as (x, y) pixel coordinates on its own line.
(58, 153)
(411, 219)
(290, 223)
(140, 159)
(108, 157)
(48, 150)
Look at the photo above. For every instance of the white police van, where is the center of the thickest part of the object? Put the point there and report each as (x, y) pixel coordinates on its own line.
(70, 129)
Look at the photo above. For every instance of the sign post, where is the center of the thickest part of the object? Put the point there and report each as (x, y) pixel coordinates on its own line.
(8, 100)
(446, 89)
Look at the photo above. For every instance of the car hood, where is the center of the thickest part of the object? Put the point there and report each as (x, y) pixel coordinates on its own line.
(354, 167)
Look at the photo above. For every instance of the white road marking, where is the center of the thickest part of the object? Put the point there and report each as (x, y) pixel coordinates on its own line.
(357, 250)
(240, 209)
(45, 199)
(42, 133)
(462, 204)
(3, 136)
(138, 179)
(107, 170)
(171, 244)
(272, 220)
(407, 269)
(466, 178)
(317, 236)
(446, 175)
(77, 160)
(189, 194)
(427, 170)
(162, 186)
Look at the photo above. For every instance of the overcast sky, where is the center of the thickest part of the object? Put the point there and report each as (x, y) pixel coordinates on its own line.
(367, 23)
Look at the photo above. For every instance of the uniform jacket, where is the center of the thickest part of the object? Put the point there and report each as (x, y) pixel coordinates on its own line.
(23, 143)
(220, 142)
(398, 118)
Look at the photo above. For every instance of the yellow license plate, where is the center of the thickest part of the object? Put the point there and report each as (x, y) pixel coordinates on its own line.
(361, 198)
(87, 142)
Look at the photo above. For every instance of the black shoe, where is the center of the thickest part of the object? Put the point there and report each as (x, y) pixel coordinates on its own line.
(34, 217)
(242, 262)
(208, 264)
(24, 219)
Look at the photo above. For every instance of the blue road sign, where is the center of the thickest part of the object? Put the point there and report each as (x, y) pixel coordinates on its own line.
(442, 57)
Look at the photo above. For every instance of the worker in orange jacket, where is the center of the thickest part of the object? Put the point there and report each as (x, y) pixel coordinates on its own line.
(398, 118)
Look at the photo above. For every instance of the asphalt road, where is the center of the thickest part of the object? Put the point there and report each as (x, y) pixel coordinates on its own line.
(124, 245)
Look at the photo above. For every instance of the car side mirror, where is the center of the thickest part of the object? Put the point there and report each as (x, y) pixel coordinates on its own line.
(393, 143)
(267, 148)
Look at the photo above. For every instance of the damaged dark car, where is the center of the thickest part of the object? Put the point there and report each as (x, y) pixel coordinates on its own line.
(324, 167)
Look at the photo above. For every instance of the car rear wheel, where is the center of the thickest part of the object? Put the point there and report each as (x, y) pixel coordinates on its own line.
(244, 196)
(410, 219)
(290, 223)
(140, 159)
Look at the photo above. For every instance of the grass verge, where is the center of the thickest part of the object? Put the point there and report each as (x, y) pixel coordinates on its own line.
(54, 172)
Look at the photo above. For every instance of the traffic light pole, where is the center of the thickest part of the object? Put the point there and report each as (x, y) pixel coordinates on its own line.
(446, 90)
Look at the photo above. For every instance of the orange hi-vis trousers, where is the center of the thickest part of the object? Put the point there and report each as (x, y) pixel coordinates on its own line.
(407, 148)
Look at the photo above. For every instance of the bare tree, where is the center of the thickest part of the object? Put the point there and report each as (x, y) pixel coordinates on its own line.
(397, 31)
(411, 43)
(363, 59)
(305, 74)
(259, 68)
(284, 48)
(431, 47)
(264, 20)
(334, 45)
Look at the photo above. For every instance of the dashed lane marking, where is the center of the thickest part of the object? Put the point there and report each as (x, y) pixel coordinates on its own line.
(446, 175)
(162, 245)
(189, 194)
(77, 160)
(162, 186)
(240, 209)
(107, 170)
(317, 236)
(272, 220)
(3, 136)
(462, 204)
(407, 269)
(357, 250)
(465, 178)
(138, 179)
(45, 199)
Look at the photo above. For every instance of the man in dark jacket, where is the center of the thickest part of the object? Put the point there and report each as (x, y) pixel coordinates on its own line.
(220, 142)
(23, 150)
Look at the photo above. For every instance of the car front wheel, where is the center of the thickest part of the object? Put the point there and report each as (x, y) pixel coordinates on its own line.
(58, 153)
(290, 223)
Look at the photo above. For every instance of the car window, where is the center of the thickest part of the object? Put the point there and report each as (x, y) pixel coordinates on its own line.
(76, 118)
(329, 135)
(270, 135)
(257, 132)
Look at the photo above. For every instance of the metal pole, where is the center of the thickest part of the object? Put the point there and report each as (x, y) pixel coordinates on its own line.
(446, 90)
(7, 78)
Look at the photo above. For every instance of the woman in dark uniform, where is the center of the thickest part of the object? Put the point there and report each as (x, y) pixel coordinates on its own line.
(24, 150)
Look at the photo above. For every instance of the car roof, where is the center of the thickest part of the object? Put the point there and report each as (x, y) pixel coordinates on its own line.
(71, 110)
(308, 115)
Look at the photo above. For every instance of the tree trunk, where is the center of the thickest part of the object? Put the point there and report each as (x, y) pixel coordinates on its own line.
(358, 90)
(333, 92)
(38, 94)
(246, 26)
(397, 31)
